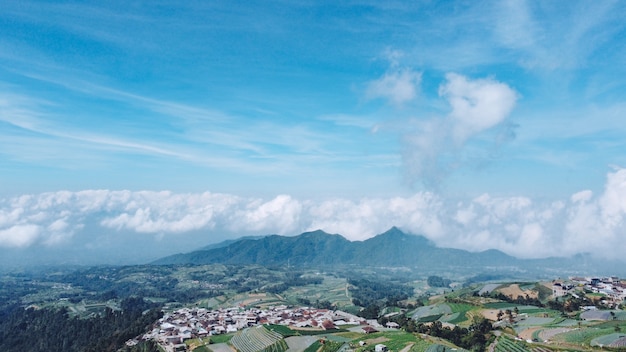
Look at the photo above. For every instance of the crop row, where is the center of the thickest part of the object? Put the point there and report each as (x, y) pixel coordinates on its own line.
(508, 345)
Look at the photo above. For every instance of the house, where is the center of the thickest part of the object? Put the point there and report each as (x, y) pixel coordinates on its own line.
(380, 348)
(559, 289)
(392, 325)
(328, 325)
(368, 329)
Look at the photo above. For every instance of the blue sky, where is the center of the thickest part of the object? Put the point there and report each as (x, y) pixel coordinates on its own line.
(350, 117)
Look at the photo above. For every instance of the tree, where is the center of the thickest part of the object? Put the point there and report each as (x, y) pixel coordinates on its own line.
(370, 312)
(509, 314)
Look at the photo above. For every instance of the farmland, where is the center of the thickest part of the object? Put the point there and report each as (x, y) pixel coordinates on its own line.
(429, 317)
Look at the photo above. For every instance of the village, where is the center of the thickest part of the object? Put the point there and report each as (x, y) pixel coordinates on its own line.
(175, 327)
(186, 323)
(611, 289)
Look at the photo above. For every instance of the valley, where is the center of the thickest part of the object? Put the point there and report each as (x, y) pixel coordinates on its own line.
(204, 307)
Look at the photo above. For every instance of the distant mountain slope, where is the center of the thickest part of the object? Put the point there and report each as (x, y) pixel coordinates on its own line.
(392, 248)
(226, 243)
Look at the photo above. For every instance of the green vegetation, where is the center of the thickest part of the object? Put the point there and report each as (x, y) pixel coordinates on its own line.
(438, 281)
(366, 293)
(54, 327)
(258, 338)
(95, 298)
(314, 347)
(285, 331)
(429, 318)
(584, 336)
(498, 305)
(395, 341)
(461, 317)
(420, 346)
(201, 349)
(506, 344)
(460, 307)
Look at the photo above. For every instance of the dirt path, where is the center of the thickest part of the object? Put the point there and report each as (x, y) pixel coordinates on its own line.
(528, 333)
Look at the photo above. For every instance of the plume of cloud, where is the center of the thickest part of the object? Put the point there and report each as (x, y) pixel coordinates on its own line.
(434, 147)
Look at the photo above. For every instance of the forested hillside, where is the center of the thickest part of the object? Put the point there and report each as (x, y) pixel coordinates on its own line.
(52, 329)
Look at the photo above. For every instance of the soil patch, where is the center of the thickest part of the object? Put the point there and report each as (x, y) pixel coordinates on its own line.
(514, 290)
(528, 333)
(491, 314)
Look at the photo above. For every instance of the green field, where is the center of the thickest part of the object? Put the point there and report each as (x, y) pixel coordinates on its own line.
(395, 341)
(583, 336)
(607, 339)
(506, 344)
(332, 289)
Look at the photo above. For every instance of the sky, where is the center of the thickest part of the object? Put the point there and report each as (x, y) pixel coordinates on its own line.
(133, 130)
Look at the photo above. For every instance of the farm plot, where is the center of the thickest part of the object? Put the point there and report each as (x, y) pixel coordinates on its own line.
(332, 289)
(506, 344)
(488, 288)
(607, 340)
(395, 341)
(580, 336)
(535, 321)
(531, 322)
(549, 334)
(567, 322)
(514, 291)
(430, 311)
(300, 343)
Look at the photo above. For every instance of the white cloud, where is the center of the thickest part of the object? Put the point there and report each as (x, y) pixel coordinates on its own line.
(280, 215)
(399, 86)
(19, 236)
(518, 225)
(434, 147)
(581, 196)
(477, 105)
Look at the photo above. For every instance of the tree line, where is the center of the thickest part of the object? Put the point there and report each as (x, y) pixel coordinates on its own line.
(52, 329)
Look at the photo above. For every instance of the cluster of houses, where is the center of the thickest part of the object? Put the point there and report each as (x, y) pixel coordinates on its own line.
(611, 287)
(186, 323)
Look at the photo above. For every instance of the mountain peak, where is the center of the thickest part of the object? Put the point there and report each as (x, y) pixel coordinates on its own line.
(315, 233)
(391, 248)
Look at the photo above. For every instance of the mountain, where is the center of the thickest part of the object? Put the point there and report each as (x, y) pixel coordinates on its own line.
(226, 243)
(393, 248)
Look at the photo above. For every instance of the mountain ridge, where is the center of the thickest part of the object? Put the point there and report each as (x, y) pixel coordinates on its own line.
(391, 248)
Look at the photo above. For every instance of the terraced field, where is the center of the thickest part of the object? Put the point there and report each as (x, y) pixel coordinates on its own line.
(428, 312)
(332, 289)
(258, 339)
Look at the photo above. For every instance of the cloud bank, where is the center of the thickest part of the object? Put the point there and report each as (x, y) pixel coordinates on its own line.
(520, 226)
